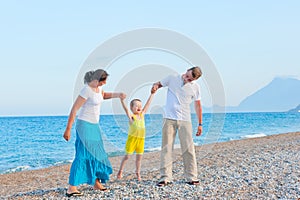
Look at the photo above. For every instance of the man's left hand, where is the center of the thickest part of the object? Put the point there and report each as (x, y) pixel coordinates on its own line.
(199, 131)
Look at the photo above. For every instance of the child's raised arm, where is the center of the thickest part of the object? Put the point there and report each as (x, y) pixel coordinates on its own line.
(148, 103)
(126, 110)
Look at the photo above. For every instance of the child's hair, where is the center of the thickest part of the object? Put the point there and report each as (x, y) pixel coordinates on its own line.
(133, 101)
(99, 75)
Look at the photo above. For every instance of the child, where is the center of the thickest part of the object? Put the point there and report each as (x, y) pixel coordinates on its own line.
(136, 133)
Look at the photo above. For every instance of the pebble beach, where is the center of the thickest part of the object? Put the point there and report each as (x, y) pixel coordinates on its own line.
(257, 168)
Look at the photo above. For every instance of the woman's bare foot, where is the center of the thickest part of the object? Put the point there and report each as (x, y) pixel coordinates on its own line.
(72, 191)
(99, 186)
(120, 175)
(138, 175)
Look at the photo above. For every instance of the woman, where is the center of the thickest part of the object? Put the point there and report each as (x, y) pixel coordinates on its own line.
(91, 164)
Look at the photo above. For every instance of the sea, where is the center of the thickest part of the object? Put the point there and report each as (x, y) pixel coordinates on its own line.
(35, 142)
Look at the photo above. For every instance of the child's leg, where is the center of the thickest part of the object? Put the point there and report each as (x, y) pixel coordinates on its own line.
(138, 166)
(124, 160)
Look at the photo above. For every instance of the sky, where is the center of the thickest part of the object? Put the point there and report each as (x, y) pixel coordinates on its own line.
(44, 45)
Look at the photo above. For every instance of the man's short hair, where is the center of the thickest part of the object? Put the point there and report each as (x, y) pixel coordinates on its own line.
(196, 72)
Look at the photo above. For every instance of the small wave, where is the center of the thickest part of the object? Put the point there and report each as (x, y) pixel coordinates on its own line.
(63, 162)
(17, 169)
(176, 146)
(199, 143)
(153, 149)
(255, 135)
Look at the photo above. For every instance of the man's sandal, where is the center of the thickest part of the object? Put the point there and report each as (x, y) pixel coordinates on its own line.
(74, 194)
(193, 182)
(163, 183)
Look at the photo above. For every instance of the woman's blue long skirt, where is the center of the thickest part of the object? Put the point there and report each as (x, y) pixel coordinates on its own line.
(91, 160)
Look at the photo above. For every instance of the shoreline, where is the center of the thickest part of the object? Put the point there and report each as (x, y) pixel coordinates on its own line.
(119, 154)
(264, 167)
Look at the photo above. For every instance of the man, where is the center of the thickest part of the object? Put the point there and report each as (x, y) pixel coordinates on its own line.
(182, 91)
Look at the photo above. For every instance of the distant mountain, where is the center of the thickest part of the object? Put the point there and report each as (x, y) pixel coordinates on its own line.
(297, 109)
(280, 95)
